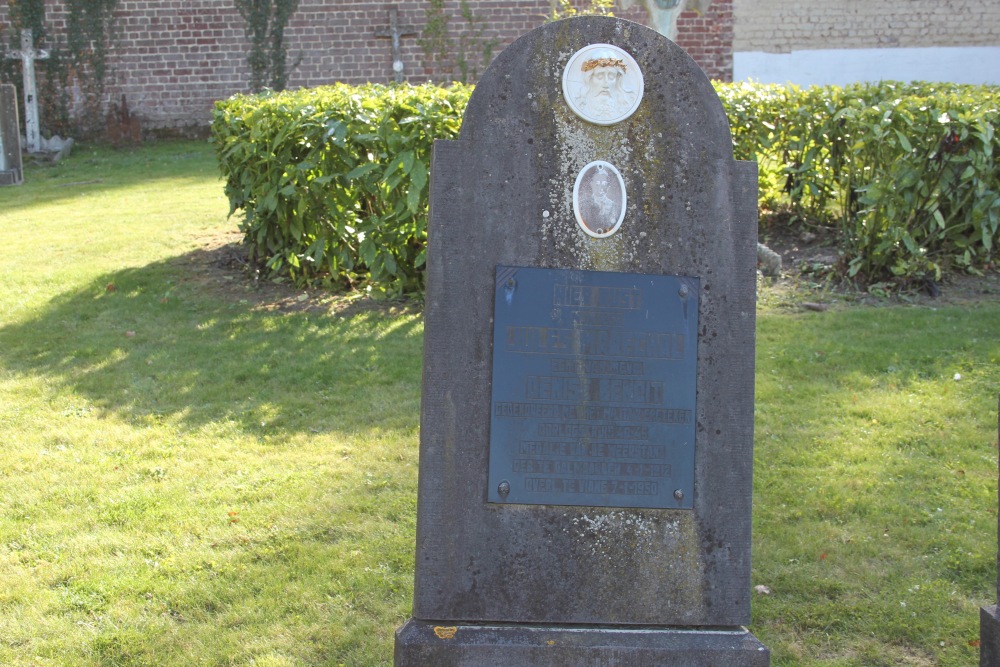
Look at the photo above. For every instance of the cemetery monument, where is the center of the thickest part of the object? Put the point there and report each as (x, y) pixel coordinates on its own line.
(396, 32)
(10, 137)
(28, 54)
(587, 410)
(989, 617)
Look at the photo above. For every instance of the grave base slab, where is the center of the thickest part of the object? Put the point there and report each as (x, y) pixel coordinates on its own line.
(423, 643)
(989, 636)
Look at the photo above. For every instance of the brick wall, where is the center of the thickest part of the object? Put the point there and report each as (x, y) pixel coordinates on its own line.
(781, 26)
(709, 38)
(172, 59)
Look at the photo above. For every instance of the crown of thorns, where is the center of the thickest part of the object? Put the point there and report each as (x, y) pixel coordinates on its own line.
(594, 63)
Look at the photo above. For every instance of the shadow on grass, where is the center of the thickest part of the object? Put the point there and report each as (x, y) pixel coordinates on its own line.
(866, 379)
(875, 481)
(894, 346)
(174, 339)
(165, 341)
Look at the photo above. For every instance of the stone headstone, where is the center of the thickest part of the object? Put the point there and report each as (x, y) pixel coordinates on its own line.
(989, 617)
(587, 412)
(10, 137)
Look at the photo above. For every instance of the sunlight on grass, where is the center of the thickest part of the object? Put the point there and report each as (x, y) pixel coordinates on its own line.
(188, 480)
(102, 210)
(183, 478)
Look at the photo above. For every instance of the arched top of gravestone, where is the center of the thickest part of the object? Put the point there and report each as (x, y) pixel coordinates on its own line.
(520, 97)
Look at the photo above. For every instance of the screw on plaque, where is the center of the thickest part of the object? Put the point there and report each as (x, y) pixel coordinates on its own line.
(509, 289)
(678, 494)
(503, 489)
(683, 291)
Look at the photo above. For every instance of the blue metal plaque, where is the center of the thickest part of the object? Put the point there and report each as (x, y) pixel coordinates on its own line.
(594, 384)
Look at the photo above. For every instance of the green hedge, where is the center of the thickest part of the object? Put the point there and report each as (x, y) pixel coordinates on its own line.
(908, 173)
(333, 181)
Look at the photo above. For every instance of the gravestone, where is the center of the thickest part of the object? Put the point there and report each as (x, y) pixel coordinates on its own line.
(587, 408)
(989, 617)
(28, 54)
(10, 137)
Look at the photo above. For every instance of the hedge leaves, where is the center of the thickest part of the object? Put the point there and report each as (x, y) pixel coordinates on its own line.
(333, 181)
(908, 173)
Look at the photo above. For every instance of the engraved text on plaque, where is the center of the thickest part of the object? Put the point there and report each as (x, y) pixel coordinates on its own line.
(593, 398)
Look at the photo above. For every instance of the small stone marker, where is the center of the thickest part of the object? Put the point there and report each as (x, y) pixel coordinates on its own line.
(396, 32)
(28, 55)
(10, 137)
(587, 416)
(989, 617)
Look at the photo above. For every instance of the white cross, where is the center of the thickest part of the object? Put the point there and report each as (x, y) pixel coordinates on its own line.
(663, 14)
(28, 55)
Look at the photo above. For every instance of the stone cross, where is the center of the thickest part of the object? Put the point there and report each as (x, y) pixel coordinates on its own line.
(28, 55)
(396, 32)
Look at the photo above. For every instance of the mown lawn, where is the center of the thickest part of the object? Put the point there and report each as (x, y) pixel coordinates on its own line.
(188, 478)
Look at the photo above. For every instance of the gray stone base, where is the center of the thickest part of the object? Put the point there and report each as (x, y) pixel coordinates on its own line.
(424, 644)
(10, 177)
(989, 637)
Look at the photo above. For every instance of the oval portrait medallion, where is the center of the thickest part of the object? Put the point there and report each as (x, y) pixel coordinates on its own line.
(599, 199)
(602, 84)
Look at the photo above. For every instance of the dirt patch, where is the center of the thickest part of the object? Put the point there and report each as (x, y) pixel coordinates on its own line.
(221, 267)
(808, 257)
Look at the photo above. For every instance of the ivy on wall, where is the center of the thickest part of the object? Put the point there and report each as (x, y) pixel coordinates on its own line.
(77, 60)
(462, 60)
(24, 15)
(89, 36)
(434, 40)
(266, 21)
(27, 15)
(89, 31)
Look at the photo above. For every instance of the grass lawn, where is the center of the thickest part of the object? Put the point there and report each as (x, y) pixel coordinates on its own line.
(189, 477)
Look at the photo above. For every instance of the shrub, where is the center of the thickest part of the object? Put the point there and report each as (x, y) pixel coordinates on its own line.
(333, 181)
(908, 173)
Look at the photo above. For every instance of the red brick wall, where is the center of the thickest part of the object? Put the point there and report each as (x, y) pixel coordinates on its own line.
(709, 38)
(172, 59)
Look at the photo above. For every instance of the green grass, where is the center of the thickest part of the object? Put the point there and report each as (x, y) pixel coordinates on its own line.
(185, 480)
(875, 508)
(188, 480)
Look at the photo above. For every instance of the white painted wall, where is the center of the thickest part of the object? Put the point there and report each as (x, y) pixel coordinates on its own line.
(822, 42)
(974, 64)
(783, 26)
